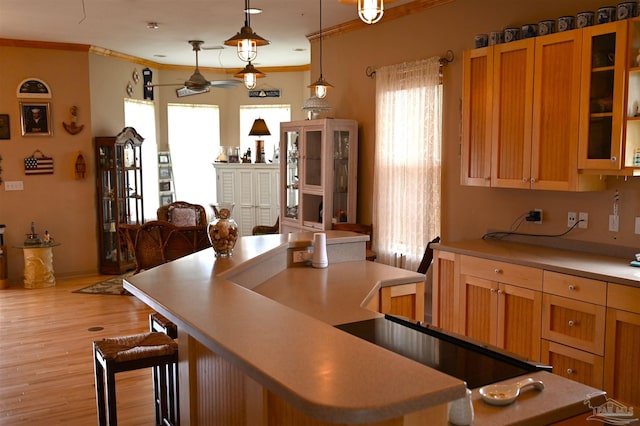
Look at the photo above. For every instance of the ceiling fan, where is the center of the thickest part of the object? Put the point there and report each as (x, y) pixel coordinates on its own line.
(197, 83)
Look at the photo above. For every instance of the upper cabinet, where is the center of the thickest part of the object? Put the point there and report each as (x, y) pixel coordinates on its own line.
(602, 101)
(319, 173)
(550, 112)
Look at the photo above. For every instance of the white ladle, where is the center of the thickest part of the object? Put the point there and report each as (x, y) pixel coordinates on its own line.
(506, 394)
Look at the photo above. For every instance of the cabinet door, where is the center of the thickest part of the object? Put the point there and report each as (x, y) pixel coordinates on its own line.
(244, 210)
(476, 117)
(511, 127)
(266, 196)
(621, 367)
(478, 317)
(290, 171)
(602, 101)
(556, 106)
(445, 290)
(519, 320)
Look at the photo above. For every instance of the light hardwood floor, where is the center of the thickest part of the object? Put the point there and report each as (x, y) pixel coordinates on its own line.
(46, 362)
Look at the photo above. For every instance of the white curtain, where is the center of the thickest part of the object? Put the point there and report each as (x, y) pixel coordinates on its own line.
(406, 210)
(194, 143)
(141, 116)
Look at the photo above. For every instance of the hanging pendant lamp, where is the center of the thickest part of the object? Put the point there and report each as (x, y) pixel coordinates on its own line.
(246, 40)
(249, 76)
(321, 85)
(369, 11)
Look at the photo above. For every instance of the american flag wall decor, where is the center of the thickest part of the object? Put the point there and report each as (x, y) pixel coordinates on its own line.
(38, 165)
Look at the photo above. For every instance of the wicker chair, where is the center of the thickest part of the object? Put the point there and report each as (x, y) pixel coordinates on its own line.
(267, 229)
(181, 213)
(156, 242)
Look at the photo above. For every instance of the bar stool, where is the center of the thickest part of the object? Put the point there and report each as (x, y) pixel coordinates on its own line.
(114, 355)
(161, 324)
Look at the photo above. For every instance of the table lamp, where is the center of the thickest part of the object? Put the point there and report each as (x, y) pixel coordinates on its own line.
(259, 128)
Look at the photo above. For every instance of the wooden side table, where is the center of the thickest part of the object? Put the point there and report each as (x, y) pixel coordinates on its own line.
(38, 265)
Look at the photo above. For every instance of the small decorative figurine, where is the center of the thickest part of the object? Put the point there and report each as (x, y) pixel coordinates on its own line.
(73, 127)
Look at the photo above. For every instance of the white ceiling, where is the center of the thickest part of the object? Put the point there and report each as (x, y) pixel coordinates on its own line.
(121, 26)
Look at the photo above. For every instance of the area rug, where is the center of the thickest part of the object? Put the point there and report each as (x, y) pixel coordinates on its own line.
(110, 286)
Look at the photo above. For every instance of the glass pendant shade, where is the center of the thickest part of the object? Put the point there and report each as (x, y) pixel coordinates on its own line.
(249, 76)
(247, 50)
(246, 40)
(320, 87)
(370, 11)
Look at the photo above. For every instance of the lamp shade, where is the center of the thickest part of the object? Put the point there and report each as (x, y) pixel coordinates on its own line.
(259, 128)
(249, 75)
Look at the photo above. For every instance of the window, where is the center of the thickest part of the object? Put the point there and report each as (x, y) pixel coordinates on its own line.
(406, 210)
(273, 115)
(194, 141)
(141, 116)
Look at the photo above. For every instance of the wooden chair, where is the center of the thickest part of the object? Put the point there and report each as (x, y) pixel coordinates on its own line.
(267, 229)
(181, 213)
(361, 229)
(156, 242)
(427, 258)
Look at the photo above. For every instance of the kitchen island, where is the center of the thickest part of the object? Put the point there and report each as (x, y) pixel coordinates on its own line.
(258, 346)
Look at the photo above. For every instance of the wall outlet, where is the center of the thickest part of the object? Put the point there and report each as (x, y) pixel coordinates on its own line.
(583, 220)
(300, 256)
(13, 185)
(637, 225)
(572, 218)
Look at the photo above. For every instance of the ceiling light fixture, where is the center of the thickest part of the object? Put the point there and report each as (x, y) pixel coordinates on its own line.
(246, 40)
(369, 11)
(321, 85)
(250, 76)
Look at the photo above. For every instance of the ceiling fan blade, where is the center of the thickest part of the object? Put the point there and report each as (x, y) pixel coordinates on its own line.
(185, 91)
(225, 84)
(164, 84)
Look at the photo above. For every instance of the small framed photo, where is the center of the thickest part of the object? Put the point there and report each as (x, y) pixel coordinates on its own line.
(166, 199)
(5, 130)
(35, 118)
(165, 186)
(163, 158)
(164, 172)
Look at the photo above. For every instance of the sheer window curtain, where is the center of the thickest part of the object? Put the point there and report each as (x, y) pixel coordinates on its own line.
(141, 116)
(406, 210)
(194, 141)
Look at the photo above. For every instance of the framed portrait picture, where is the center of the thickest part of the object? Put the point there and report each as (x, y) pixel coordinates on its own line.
(163, 158)
(5, 130)
(164, 172)
(35, 118)
(165, 186)
(166, 199)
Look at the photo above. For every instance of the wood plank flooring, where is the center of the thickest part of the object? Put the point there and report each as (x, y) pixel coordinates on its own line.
(46, 359)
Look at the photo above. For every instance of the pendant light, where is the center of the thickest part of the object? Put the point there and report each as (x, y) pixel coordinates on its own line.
(321, 85)
(246, 40)
(250, 76)
(369, 11)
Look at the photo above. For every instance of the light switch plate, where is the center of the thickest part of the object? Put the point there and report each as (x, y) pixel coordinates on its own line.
(637, 225)
(13, 185)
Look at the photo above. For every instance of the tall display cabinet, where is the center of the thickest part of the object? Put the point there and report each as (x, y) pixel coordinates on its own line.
(318, 169)
(119, 189)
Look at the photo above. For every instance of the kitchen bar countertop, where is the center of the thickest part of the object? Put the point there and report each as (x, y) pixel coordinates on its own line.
(276, 326)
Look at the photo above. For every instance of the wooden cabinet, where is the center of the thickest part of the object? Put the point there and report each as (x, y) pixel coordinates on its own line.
(574, 364)
(444, 297)
(621, 372)
(503, 310)
(319, 168)
(532, 88)
(253, 188)
(119, 191)
(406, 300)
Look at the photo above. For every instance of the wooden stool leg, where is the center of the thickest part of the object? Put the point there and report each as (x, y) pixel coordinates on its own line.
(111, 397)
(99, 376)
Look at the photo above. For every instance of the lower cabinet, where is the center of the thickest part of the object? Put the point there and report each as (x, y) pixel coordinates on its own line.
(405, 300)
(587, 330)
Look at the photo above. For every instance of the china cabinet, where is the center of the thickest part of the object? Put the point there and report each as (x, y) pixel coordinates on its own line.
(253, 189)
(319, 173)
(119, 190)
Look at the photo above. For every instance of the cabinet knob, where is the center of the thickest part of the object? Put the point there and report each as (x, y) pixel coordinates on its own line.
(533, 180)
(524, 179)
(614, 159)
(571, 323)
(500, 292)
(497, 271)
(569, 371)
(571, 287)
(493, 290)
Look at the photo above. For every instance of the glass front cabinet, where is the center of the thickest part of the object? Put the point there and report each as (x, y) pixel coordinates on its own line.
(318, 166)
(119, 190)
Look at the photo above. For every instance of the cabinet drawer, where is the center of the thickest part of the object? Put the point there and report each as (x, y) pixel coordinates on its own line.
(508, 273)
(584, 289)
(573, 323)
(623, 297)
(574, 364)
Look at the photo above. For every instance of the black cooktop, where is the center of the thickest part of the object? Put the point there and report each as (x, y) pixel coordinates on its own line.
(477, 365)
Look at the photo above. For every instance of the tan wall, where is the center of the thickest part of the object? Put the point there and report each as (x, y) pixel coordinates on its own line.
(58, 203)
(467, 212)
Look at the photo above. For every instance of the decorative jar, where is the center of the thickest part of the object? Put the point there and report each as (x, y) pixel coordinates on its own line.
(223, 230)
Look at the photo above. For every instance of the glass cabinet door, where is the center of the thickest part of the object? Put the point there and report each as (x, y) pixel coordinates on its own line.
(602, 98)
(292, 174)
(340, 175)
(312, 158)
(632, 113)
